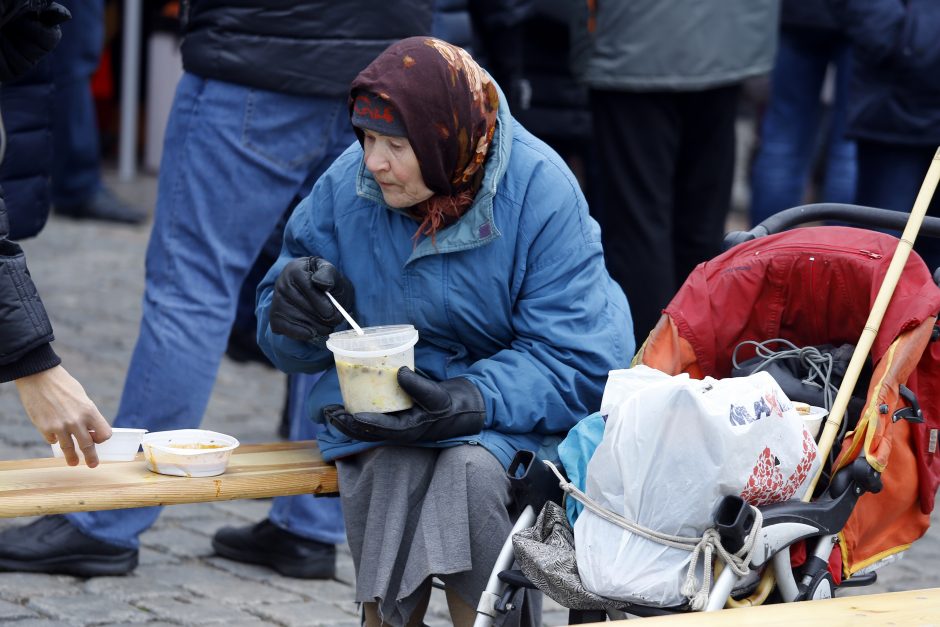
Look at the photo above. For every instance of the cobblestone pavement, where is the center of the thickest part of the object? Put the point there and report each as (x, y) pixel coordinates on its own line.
(90, 276)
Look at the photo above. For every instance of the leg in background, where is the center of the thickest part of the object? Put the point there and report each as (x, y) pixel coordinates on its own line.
(227, 147)
(637, 136)
(704, 176)
(789, 128)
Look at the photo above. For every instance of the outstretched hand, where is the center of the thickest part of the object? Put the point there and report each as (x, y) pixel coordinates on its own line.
(60, 409)
(442, 410)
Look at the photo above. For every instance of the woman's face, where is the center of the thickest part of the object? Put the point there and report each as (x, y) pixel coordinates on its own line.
(395, 168)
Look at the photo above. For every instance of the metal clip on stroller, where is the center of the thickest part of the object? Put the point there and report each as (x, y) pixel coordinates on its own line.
(815, 286)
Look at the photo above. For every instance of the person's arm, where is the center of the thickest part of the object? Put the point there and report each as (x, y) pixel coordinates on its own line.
(892, 33)
(54, 401)
(287, 354)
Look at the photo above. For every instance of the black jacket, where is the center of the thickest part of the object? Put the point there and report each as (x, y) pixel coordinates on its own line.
(27, 31)
(25, 331)
(306, 47)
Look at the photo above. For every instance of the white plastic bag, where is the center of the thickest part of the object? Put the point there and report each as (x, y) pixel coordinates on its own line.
(672, 447)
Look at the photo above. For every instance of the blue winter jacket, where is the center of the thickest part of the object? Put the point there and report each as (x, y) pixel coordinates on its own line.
(514, 296)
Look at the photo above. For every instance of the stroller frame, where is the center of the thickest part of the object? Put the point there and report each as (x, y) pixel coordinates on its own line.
(783, 523)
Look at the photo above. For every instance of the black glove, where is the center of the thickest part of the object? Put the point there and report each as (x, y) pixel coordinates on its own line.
(442, 410)
(300, 309)
(28, 37)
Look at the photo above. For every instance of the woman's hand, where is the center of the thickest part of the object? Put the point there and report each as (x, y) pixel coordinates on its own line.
(60, 409)
(442, 410)
(300, 309)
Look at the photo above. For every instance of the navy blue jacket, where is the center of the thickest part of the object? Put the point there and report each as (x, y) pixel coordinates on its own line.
(305, 47)
(26, 106)
(895, 91)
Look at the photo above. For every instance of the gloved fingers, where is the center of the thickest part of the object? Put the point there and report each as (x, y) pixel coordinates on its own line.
(284, 324)
(295, 288)
(428, 394)
(323, 274)
(54, 14)
(352, 426)
(307, 297)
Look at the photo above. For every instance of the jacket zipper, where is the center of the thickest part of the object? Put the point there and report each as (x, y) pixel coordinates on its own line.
(825, 248)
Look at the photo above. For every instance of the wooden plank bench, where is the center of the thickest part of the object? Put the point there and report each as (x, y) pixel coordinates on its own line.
(34, 487)
(911, 607)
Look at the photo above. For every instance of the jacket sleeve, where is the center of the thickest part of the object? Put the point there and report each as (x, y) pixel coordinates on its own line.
(905, 36)
(25, 331)
(287, 354)
(571, 320)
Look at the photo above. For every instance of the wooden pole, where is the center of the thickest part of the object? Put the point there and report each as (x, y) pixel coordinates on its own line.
(901, 253)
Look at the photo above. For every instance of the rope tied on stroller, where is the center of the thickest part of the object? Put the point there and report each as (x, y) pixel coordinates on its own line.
(818, 363)
(706, 545)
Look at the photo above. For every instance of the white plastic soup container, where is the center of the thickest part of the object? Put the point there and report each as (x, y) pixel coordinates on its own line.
(367, 366)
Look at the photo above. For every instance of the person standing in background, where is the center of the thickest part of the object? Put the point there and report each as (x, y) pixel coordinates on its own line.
(260, 112)
(894, 105)
(810, 44)
(664, 80)
(77, 189)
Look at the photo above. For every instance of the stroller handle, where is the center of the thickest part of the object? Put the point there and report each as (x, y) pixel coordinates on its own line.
(870, 217)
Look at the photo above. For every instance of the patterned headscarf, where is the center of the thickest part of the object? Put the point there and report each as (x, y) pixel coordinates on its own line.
(448, 105)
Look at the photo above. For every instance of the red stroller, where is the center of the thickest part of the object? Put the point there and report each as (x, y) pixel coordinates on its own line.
(816, 286)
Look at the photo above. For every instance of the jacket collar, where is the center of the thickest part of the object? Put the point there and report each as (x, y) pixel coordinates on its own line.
(476, 227)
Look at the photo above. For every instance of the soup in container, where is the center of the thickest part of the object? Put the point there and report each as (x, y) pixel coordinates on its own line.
(367, 366)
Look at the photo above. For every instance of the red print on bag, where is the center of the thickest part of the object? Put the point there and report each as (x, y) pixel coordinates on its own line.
(766, 483)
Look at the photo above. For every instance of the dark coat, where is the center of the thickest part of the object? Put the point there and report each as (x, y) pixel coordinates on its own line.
(26, 107)
(895, 90)
(309, 47)
(25, 331)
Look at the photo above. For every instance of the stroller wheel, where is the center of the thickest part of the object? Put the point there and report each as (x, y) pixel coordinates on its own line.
(821, 587)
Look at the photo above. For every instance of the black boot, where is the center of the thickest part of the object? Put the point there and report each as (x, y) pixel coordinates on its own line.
(104, 206)
(53, 545)
(267, 544)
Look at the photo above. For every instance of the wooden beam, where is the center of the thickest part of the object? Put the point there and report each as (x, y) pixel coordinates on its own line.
(35, 487)
(909, 608)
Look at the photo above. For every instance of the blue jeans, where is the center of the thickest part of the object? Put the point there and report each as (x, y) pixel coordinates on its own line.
(889, 177)
(76, 159)
(233, 160)
(790, 138)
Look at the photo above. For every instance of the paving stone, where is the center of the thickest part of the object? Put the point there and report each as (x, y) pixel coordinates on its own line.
(130, 588)
(194, 612)
(42, 622)
(178, 542)
(310, 614)
(14, 611)
(331, 589)
(20, 587)
(225, 588)
(90, 609)
(154, 556)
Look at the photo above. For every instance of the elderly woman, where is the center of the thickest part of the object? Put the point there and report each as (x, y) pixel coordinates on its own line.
(452, 217)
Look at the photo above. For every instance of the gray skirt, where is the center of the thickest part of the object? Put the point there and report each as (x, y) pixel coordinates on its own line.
(412, 513)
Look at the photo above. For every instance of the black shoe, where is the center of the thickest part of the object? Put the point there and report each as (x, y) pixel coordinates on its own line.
(53, 545)
(267, 544)
(104, 206)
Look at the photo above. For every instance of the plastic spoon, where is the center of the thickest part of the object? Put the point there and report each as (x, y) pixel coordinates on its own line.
(346, 315)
